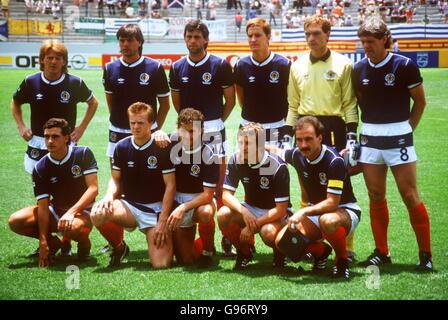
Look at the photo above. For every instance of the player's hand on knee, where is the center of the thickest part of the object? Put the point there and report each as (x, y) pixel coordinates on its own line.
(294, 220)
(250, 220)
(176, 217)
(161, 139)
(44, 255)
(245, 234)
(66, 221)
(161, 233)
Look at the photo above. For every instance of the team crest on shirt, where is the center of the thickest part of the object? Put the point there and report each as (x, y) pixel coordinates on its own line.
(144, 79)
(76, 170)
(195, 170)
(34, 153)
(113, 137)
(363, 140)
(152, 162)
(274, 77)
(389, 79)
(264, 183)
(207, 78)
(323, 178)
(65, 97)
(330, 75)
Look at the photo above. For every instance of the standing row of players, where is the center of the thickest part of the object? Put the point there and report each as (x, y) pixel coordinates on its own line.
(319, 84)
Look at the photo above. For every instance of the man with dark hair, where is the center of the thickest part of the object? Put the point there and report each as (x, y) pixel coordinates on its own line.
(265, 179)
(65, 185)
(384, 84)
(132, 78)
(200, 81)
(197, 175)
(332, 212)
(53, 92)
(141, 190)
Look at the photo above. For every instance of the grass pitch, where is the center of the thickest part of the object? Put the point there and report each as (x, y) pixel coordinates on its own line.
(21, 279)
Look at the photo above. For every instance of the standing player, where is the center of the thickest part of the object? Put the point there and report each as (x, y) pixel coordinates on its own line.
(320, 85)
(265, 178)
(141, 190)
(332, 212)
(384, 84)
(132, 78)
(53, 92)
(65, 185)
(261, 82)
(201, 80)
(197, 174)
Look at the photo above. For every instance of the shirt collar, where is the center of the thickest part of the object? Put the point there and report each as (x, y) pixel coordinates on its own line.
(136, 63)
(320, 157)
(262, 162)
(143, 147)
(381, 63)
(61, 162)
(200, 63)
(52, 83)
(323, 58)
(263, 63)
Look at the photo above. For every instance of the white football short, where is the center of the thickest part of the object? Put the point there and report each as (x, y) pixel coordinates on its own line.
(353, 210)
(146, 215)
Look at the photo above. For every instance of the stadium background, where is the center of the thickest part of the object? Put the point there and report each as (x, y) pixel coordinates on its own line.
(21, 279)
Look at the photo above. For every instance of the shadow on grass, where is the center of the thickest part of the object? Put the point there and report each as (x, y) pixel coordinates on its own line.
(58, 264)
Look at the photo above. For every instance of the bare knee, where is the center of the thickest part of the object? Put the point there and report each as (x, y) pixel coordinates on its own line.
(163, 264)
(224, 216)
(376, 196)
(410, 198)
(206, 214)
(14, 222)
(268, 234)
(329, 223)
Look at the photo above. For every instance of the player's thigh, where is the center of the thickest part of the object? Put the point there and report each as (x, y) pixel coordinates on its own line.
(122, 215)
(160, 257)
(375, 178)
(269, 231)
(183, 244)
(406, 178)
(24, 218)
(310, 229)
(330, 222)
(204, 213)
(81, 221)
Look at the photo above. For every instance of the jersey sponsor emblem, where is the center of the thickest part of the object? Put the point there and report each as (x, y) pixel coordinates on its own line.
(245, 179)
(251, 79)
(130, 164)
(264, 183)
(305, 174)
(113, 137)
(144, 79)
(322, 178)
(53, 179)
(34, 153)
(65, 96)
(184, 79)
(120, 80)
(365, 82)
(207, 78)
(363, 140)
(39, 96)
(390, 79)
(274, 77)
(152, 162)
(330, 75)
(76, 170)
(195, 170)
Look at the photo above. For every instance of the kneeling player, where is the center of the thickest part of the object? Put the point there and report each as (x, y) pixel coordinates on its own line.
(332, 213)
(65, 185)
(265, 178)
(197, 174)
(141, 191)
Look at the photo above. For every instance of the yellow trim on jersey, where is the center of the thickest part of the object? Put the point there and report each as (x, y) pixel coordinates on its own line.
(335, 184)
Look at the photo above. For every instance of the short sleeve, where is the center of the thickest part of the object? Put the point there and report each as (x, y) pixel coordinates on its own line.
(237, 75)
(231, 180)
(89, 164)
(412, 75)
(162, 88)
(40, 185)
(166, 165)
(84, 94)
(117, 162)
(174, 80)
(287, 155)
(281, 184)
(106, 81)
(226, 74)
(22, 95)
(336, 175)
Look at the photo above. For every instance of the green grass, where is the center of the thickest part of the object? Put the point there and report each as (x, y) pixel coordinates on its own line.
(21, 279)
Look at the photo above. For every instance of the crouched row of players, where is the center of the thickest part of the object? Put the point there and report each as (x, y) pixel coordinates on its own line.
(166, 191)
